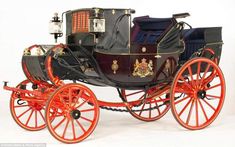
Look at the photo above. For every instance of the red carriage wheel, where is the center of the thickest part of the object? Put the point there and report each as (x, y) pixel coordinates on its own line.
(147, 109)
(77, 115)
(197, 93)
(27, 114)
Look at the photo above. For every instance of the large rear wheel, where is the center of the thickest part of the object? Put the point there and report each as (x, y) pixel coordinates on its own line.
(197, 93)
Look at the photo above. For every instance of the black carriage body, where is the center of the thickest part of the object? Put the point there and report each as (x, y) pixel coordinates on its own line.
(119, 55)
(197, 39)
(204, 42)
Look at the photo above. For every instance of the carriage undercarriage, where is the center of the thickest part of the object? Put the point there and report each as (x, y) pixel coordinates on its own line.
(37, 108)
(193, 88)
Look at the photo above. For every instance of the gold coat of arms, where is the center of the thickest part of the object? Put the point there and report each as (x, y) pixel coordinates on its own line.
(143, 69)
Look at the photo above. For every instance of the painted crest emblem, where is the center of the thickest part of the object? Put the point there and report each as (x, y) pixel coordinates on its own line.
(143, 69)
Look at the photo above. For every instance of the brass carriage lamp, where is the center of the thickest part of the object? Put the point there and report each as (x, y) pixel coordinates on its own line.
(55, 27)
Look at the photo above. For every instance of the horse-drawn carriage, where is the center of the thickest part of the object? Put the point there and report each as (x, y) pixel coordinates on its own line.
(155, 65)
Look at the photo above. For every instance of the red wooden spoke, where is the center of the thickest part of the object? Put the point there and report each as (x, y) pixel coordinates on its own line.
(87, 110)
(65, 128)
(24, 112)
(84, 102)
(198, 72)
(203, 110)
(181, 100)
(134, 93)
(78, 96)
(84, 118)
(213, 96)
(62, 100)
(42, 115)
(142, 97)
(182, 91)
(161, 100)
(150, 110)
(196, 107)
(70, 97)
(29, 117)
(55, 127)
(84, 95)
(80, 125)
(205, 72)
(209, 104)
(158, 110)
(190, 112)
(58, 115)
(210, 78)
(185, 82)
(182, 110)
(142, 109)
(191, 75)
(20, 106)
(36, 118)
(80, 93)
(212, 87)
(139, 98)
(73, 128)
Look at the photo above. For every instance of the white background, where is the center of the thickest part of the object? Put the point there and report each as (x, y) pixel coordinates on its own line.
(23, 23)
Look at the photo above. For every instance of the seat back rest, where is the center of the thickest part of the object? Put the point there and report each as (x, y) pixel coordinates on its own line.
(149, 30)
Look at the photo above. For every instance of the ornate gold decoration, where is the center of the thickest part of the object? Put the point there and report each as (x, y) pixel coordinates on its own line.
(143, 49)
(113, 11)
(39, 51)
(143, 69)
(158, 56)
(59, 51)
(114, 66)
(27, 51)
(126, 11)
(167, 65)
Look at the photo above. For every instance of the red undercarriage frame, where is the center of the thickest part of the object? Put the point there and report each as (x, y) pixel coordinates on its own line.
(71, 111)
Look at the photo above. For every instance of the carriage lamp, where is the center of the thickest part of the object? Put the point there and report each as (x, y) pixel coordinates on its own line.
(97, 25)
(55, 27)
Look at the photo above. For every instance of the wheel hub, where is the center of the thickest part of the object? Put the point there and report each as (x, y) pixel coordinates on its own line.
(201, 94)
(75, 114)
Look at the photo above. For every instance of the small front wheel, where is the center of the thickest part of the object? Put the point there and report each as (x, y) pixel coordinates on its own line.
(77, 113)
(28, 114)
